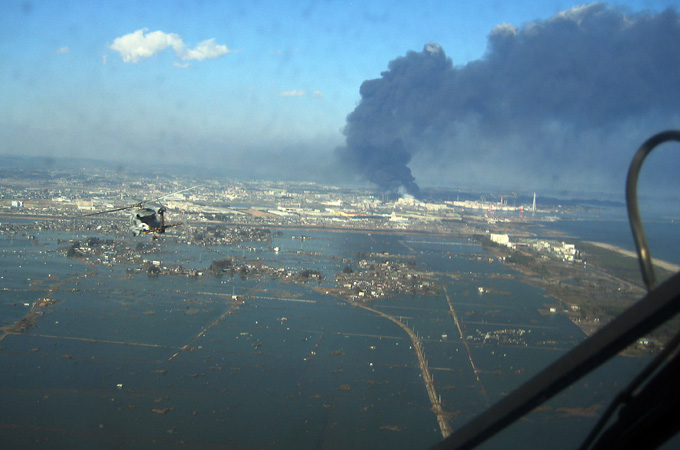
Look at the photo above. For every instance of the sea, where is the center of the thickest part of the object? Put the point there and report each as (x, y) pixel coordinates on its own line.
(127, 360)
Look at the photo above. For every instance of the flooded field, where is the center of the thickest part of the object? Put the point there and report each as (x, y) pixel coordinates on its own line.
(118, 359)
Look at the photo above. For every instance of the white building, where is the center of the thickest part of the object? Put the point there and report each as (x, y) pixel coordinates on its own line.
(501, 239)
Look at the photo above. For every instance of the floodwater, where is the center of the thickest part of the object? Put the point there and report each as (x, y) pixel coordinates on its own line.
(126, 360)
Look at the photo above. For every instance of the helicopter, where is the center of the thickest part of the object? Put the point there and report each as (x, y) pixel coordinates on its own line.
(144, 220)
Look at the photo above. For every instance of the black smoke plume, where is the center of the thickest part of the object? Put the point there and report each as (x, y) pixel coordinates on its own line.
(563, 101)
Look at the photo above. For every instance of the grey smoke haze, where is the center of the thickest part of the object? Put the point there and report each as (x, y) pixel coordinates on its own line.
(564, 101)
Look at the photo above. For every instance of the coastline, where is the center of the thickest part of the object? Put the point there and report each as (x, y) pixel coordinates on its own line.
(657, 262)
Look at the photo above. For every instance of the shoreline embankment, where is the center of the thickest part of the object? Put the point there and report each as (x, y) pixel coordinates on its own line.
(663, 264)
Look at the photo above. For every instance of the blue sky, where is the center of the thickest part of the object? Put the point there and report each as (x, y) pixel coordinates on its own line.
(249, 84)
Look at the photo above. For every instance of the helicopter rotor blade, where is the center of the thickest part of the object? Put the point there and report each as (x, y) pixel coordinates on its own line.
(122, 208)
(157, 199)
(136, 205)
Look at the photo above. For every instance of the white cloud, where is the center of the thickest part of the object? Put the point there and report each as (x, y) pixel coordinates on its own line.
(137, 45)
(293, 93)
(134, 46)
(317, 94)
(205, 50)
(63, 50)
